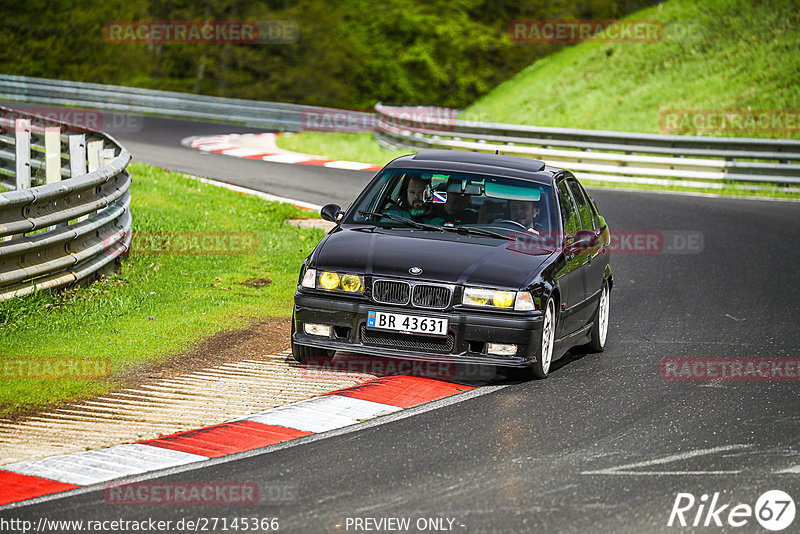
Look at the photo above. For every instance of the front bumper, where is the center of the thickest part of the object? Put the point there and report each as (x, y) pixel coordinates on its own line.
(468, 333)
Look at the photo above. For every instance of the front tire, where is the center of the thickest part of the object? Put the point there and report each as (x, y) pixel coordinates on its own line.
(303, 354)
(600, 326)
(541, 367)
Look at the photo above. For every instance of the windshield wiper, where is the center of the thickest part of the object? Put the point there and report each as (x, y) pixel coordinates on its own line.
(415, 224)
(476, 231)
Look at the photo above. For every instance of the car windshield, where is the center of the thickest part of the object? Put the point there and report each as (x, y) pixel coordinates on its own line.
(455, 200)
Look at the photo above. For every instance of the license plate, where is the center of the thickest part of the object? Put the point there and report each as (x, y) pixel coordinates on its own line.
(410, 324)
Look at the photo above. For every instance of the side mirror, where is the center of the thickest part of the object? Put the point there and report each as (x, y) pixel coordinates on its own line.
(331, 212)
(584, 239)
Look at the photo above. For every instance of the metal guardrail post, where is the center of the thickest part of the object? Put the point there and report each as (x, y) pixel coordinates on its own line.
(77, 155)
(52, 154)
(93, 149)
(22, 130)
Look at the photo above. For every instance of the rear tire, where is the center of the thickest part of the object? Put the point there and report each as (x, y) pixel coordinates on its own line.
(600, 326)
(541, 366)
(303, 353)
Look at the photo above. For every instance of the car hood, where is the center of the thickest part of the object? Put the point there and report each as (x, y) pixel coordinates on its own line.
(444, 257)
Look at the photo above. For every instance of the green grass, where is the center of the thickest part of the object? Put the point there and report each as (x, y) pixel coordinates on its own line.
(158, 305)
(348, 146)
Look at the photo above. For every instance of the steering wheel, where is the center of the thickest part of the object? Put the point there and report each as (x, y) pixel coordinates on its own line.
(509, 221)
(394, 203)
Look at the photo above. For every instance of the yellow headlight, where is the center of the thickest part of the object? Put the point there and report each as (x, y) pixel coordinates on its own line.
(474, 296)
(351, 283)
(329, 280)
(503, 299)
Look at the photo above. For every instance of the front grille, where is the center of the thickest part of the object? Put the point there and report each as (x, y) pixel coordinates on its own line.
(407, 341)
(426, 296)
(391, 292)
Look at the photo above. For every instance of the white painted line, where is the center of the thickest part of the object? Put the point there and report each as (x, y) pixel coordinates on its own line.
(306, 418)
(208, 140)
(321, 414)
(349, 407)
(158, 456)
(624, 469)
(348, 165)
(794, 470)
(286, 158)
(63, 469)
(259, 194)
(91, 467)
(215, 146)
(242, 152)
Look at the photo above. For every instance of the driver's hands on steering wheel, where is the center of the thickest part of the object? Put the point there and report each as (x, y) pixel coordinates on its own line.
(517, 223)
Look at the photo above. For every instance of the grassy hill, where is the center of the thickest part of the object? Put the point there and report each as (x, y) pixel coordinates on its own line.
(714, 55)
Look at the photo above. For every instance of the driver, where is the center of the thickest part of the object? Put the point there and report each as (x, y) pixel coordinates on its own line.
(412, 204)
(525, 212)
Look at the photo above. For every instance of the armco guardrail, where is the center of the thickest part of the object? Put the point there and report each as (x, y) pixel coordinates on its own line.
(607, 156)
(75, 220)
(272, 115)
(600, 155)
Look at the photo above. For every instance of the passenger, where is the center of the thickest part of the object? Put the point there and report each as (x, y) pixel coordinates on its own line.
(456, 212)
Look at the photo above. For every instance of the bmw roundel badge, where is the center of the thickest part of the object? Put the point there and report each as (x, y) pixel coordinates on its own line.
(415, 270)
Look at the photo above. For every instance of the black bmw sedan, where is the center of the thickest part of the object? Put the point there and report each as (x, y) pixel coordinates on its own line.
(459, 257)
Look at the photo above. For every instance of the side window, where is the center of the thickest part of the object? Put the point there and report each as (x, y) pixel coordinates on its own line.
(584, 211)
(569, 212)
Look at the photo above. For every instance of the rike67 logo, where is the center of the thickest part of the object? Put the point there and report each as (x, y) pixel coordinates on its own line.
(774, 511)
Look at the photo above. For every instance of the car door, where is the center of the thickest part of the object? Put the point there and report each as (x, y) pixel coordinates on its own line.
(596, 258)
(570, 277)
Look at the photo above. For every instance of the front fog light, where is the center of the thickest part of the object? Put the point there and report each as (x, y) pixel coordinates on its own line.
(317, 329)
(499, 349)
(309, 278)
(329, 280)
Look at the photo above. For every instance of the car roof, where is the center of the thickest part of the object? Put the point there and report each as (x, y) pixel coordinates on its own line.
(478, 163)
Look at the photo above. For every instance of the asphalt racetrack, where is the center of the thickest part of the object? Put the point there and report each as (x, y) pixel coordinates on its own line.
(605, 444)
